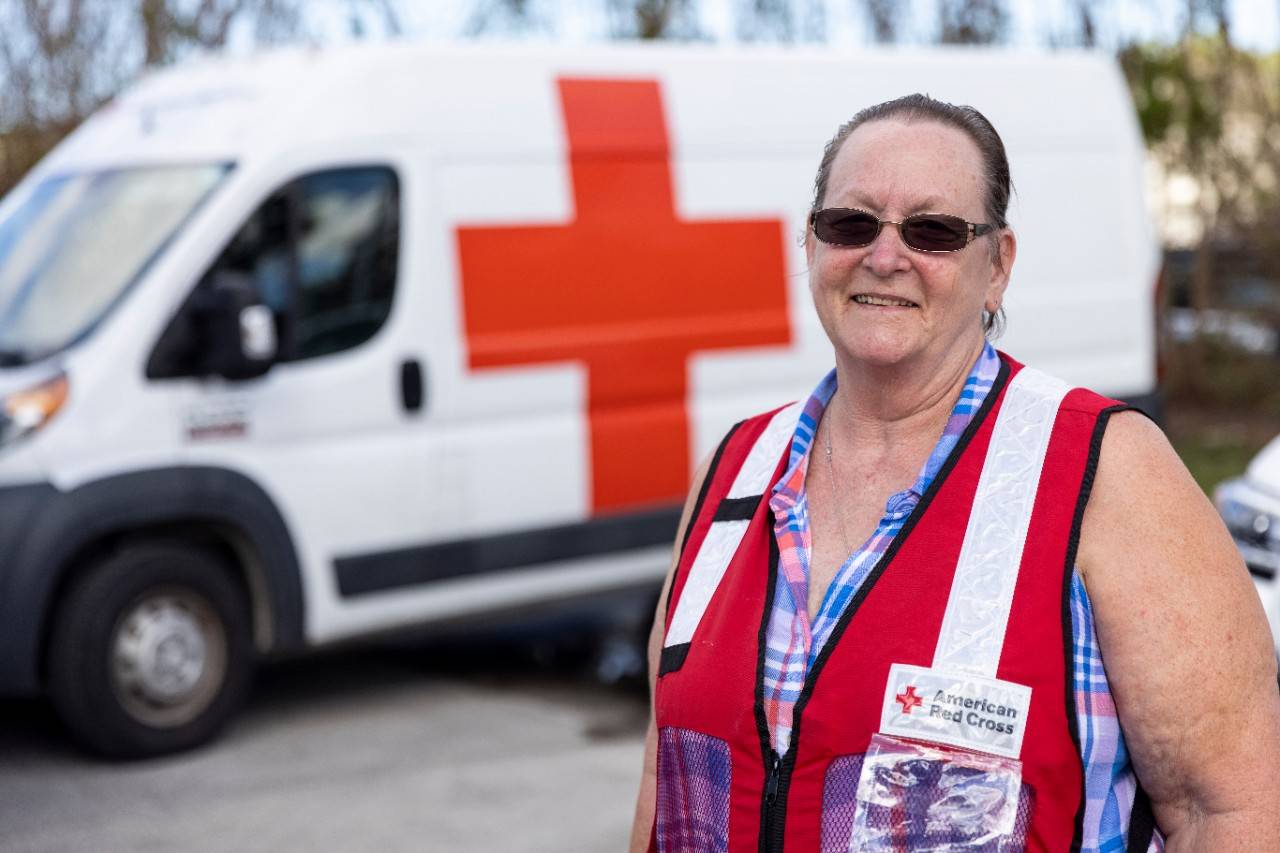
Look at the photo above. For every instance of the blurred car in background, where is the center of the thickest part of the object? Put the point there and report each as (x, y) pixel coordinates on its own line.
(1246, 293)
(316, 345)
(1250, 506)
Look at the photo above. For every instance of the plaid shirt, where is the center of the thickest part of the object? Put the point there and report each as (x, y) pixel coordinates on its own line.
(793, 643)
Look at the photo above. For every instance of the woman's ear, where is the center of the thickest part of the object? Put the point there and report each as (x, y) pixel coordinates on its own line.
(1001, 268)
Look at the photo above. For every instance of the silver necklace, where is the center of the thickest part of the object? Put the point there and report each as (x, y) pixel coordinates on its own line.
(835, 502)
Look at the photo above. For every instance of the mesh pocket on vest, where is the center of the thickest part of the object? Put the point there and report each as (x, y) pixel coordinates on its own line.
(694, 772)
(839, 793)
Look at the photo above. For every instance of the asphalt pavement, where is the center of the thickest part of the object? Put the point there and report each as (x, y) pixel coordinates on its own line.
(432, 748)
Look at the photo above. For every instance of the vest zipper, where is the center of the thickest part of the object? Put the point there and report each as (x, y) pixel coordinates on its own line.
(771, 817)
(771, 787)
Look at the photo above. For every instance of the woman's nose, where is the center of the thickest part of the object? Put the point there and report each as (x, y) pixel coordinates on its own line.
(887, 253)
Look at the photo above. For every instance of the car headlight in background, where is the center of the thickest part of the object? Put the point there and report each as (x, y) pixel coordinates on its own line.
(24, 412)
(1253, 517)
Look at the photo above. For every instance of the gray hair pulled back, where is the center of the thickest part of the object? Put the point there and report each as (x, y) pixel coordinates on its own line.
(997, 181)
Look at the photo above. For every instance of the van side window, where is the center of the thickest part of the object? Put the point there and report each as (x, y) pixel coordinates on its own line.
(321, 252)
(347, 252)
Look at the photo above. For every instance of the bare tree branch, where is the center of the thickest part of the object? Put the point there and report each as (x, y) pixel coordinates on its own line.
(883, 16)
(653, 19)
(972, 21)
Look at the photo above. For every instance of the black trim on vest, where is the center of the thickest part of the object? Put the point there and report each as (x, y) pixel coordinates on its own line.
(762, 721)
(797, 714)
(737, 509)
(697, 510)
(1142, 823)
(673, 658)
(1068, 633)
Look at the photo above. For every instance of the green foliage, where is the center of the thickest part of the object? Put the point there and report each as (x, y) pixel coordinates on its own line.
(1241, 381)
(1214, 455)
(1173, 88)
(1217, 427)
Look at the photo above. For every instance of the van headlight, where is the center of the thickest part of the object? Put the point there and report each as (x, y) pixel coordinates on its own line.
(23, 412)
(1253, 517)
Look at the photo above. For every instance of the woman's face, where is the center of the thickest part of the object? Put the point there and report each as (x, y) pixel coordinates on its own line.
(892, 170)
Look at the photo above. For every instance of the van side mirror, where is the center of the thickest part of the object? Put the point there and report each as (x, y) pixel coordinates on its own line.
(240, 331)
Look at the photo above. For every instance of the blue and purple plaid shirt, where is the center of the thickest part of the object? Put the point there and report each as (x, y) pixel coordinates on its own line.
(793, 643)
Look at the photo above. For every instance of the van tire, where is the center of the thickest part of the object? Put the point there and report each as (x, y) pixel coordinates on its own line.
(151, 651)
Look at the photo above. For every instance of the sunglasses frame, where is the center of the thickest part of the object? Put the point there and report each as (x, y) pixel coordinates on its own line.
(973, 230)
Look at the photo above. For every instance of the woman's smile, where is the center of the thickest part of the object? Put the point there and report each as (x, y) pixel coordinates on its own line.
(882, 301)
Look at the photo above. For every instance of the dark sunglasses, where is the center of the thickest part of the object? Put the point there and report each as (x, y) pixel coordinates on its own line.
(924, 232)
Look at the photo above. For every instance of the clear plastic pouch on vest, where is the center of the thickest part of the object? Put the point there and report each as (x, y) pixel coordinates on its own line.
(920, 797)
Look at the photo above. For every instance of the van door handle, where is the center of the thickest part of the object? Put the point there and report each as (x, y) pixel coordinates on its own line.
(412, 390)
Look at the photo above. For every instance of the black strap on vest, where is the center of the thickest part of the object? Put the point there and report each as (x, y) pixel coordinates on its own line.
(737, 509)
(697, 509)
(672, 658)
(730, 509)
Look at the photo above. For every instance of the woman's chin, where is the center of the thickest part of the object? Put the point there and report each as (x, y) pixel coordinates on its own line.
(877, 352)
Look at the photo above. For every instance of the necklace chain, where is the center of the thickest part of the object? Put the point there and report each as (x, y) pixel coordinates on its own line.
(835, 502)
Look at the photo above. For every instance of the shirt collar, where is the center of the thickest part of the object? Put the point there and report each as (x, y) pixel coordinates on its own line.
(790, 486)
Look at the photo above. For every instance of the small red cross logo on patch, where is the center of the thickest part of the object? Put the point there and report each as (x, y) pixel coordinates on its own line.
(909, 699)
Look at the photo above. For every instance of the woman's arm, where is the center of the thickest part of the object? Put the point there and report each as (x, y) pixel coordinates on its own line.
(642, 826)
(1185, 645)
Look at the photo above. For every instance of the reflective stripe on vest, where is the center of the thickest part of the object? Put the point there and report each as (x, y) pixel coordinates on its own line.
(725, 535)
(977, 615)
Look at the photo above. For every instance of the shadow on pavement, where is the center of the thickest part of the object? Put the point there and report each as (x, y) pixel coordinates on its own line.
(565, 670)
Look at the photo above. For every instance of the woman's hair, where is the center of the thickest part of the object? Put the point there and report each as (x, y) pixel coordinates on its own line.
(912, 108)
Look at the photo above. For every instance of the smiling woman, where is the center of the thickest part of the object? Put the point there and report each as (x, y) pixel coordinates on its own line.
(832, 633)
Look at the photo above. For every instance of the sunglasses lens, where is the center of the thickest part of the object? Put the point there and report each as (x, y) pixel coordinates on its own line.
(845, 227)
(935, 232)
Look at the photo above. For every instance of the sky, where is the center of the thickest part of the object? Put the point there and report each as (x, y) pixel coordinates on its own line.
(1256, 23)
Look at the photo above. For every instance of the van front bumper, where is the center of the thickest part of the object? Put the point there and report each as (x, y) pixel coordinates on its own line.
(28, 522)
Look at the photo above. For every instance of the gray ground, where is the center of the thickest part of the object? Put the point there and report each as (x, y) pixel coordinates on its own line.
(371, 750)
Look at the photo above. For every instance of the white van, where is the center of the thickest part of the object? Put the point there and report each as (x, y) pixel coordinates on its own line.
(1250, 506)
(312, 345)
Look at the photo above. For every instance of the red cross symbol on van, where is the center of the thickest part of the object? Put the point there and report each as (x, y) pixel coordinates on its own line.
(627, 288)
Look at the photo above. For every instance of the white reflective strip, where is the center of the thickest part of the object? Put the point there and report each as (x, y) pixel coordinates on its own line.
(705, 575)
(977, 615)
(724, 537)
(757, 469)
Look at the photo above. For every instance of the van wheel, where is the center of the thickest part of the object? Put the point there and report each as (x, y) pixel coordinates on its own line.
(151, 651)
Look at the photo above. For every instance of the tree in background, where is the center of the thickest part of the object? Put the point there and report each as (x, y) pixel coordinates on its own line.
(61, 59)
(883, 17)
(972, 21)
(1210, 113)
(653, 19)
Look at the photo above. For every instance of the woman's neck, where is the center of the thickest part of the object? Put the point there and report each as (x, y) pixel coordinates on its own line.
(880, 408)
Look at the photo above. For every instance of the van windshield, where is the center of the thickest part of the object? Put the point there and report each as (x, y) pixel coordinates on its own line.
(74, 245)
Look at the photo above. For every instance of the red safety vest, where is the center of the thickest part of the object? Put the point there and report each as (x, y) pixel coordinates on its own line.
(720, 785)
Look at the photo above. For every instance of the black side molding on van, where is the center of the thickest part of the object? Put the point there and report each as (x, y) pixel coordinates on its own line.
(378, 572)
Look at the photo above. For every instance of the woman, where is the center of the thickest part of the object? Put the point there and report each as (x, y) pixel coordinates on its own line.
(891, 604)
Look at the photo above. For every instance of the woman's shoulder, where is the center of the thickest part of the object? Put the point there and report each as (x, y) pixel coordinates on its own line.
(1141, 484)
